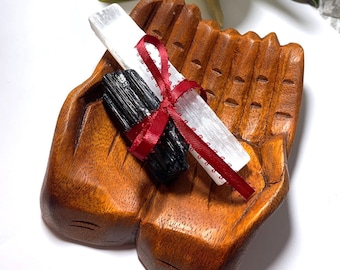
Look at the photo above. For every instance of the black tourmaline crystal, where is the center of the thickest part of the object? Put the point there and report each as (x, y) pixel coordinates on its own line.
(130, 100)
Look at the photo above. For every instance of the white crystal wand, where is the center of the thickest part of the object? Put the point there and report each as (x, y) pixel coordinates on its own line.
(120, 34)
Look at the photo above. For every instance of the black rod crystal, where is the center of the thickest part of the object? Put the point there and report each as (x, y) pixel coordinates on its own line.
(129, 99)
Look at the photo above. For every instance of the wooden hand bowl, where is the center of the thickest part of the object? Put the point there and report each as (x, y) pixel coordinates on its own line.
(96, 193)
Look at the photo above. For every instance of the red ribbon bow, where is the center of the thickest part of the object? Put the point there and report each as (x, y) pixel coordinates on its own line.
(147, 133)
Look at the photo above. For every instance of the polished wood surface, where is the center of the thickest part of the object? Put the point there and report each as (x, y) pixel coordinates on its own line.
(98, 194)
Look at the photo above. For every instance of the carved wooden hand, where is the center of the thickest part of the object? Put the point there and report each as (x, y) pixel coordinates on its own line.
(96, 193)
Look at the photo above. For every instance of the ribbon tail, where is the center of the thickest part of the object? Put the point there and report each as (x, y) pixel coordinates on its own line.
(211, 157)
(147, 139)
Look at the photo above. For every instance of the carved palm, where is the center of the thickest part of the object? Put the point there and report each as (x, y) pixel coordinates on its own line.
(96, 193)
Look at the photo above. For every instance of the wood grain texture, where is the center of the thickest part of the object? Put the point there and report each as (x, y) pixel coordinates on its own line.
(96, 193)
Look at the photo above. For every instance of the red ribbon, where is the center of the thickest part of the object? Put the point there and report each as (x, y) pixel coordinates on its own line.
(146, 134)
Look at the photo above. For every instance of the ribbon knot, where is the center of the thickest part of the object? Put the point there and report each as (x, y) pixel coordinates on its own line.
(167, 103)
(145, 135)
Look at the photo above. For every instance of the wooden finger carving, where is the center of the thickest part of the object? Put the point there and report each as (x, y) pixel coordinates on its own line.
(95, 192)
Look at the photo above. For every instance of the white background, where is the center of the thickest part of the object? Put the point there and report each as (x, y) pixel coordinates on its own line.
(47, 48)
